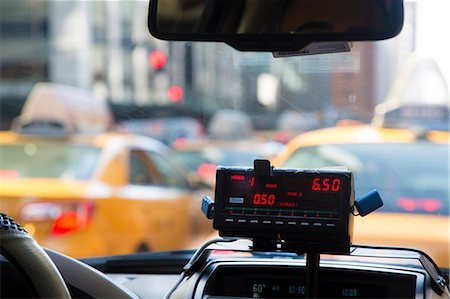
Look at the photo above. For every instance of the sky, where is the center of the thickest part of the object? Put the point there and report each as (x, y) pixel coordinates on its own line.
(433, 36)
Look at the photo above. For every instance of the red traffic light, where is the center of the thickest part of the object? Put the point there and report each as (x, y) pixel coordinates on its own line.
(157, 59)
(175, 93)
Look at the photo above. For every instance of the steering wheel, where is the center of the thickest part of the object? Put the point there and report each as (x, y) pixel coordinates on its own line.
(22, 251)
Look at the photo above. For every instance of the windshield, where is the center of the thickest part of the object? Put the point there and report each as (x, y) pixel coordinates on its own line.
(210, 105)
(390, 174)
(31, 160)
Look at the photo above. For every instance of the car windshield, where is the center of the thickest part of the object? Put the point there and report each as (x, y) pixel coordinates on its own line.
(391, 174)
(31, 160)
(146, 101)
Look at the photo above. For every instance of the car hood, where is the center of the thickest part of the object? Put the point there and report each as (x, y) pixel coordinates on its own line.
(429, 233)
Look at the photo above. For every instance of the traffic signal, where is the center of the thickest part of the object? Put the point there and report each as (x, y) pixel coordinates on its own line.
(175, 93)
(157, 59)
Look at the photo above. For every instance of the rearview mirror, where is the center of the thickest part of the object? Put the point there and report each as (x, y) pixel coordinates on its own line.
(275, 25)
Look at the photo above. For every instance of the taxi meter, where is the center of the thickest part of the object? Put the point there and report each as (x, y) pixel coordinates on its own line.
(294, 209)
(305, 211)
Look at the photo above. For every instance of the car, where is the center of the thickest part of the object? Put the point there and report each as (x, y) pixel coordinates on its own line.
(424, 205)
(166, 129)
(104, 194)
(284, 232)
(203, 157)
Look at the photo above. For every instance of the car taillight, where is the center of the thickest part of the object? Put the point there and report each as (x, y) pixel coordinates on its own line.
(206, 169)
(65, 217)
(9, 174)
(409, 204)
(431, 205)
(180, 142)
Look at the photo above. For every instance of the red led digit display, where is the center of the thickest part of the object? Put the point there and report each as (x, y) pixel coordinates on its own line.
(326, 184)
(315, 194)
(237, 177)
(263, 199)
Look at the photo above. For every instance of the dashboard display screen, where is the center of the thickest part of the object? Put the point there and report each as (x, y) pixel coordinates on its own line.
(297, 289)
(278, 281)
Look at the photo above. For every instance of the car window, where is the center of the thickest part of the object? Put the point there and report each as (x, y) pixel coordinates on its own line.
(170, 175)
(192, 159)
(411, 178)
(48, 160)
(140, 173)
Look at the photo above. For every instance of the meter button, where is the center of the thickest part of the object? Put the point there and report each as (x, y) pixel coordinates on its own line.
(253, 221)
(304, 223)
(230, 220)
(236, 200)
(267, 222)
(330, 224)
(242, 221)
(317, 224)
(279, 222)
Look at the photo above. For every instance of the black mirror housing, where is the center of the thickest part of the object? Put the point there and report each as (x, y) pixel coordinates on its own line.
(274, 25)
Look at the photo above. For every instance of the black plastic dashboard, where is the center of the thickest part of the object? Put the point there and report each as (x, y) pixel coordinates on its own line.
(231, 271)
(365, 273)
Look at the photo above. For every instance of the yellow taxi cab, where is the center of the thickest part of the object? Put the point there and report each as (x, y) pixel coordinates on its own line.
(414, 215)
(70, 182)
(96, 195)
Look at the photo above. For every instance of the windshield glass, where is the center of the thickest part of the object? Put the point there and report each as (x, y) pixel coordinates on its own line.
(31, 160)
(209, 104)
(391, 174)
